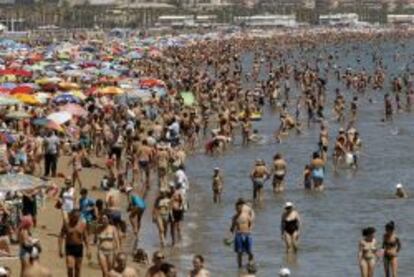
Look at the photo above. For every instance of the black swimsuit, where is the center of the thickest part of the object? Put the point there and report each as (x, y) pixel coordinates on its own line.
(291, 226)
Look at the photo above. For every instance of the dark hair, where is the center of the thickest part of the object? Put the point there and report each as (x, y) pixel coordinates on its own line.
(277, 156)
(390, 226)
(84, 191)
(315, 155)
(368, 231)
(166, 267)
(199, 257)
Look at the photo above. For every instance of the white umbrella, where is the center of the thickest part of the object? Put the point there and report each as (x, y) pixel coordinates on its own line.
(60, 117)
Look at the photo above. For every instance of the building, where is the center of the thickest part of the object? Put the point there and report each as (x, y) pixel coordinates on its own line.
(400, 19)
(267, 20)
(340, 19)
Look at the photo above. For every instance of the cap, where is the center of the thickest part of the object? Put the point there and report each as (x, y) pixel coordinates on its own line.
(341, 130)
(399, 186)
(284, 272)
(128, 189)
(288, 205)
(216, 168)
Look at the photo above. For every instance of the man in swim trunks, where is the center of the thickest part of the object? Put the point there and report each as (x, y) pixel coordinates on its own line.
(241, 227)
(259, 175)
(144, 156)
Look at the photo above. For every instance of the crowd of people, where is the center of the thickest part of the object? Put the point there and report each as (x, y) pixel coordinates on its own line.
(141, 147)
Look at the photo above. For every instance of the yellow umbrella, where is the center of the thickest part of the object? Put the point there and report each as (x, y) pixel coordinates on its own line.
(111, 90)
(27, 99)
(79, 94)
(68, 85)
(47, 80)
(8, 78)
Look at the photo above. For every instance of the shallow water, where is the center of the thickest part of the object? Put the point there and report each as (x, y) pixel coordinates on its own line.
(332, 220)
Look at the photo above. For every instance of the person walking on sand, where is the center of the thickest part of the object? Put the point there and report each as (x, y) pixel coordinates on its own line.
(74, 236)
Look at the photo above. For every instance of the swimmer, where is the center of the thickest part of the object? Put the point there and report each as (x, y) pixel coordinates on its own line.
(198, 267)
(400, 191)
(284, 272)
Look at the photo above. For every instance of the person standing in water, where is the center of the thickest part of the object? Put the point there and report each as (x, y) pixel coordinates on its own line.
(392, 246)
(259, 176)
(318, 171)
(290, 225)
(279, 171)
(367, 254)
(241, 227)
(217, 185)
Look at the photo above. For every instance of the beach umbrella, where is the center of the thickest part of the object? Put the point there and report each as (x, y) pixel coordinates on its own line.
(6, 137)
(4, 90)
(78, 94)
(60, 117)
(23, 89)
(66, 98)
(109, 72)
(111, 91)
(73, 73)
(19, 182)
(27, 99)
(42, 97)
(8, 101)
(47, 123)
(188, 98)
(9, 85)
(18, 115)
(16, 72)
(74, 109)
(48, 80)
(68, 85)
(150, 83)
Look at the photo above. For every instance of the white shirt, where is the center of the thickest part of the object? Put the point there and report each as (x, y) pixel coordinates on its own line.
(181, 178)
(68, 200)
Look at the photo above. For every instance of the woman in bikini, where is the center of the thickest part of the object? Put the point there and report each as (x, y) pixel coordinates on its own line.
(108, 245)
(162, 215)
(392, 246)
(367, 254)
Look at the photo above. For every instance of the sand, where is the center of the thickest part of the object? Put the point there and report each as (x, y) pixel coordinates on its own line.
(49, 224)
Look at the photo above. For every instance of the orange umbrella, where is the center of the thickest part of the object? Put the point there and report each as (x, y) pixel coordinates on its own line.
(111, 91)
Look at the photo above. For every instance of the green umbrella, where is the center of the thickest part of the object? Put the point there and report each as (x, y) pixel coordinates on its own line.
(188, 98)
(7, 101)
